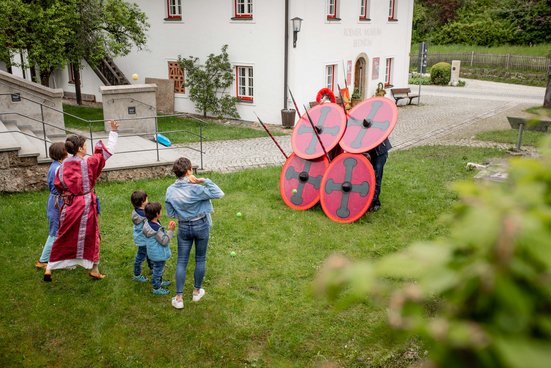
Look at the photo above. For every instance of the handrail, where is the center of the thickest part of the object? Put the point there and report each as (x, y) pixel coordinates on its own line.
(91, 134)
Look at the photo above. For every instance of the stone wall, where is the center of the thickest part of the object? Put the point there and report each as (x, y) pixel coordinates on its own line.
(23, 174)
(32, 96)
(134, 106)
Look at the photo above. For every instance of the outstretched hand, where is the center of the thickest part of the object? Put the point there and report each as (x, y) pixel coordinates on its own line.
(114, 125)
(194, 180)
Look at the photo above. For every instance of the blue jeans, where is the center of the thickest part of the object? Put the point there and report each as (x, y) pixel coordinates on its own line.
(189, 232)
(141, 255)
(378, 165)
(158, 271)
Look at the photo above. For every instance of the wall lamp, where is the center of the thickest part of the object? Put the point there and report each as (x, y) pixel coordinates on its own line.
(297, 22)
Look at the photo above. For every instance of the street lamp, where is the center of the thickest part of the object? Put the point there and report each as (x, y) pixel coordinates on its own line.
(296, 29)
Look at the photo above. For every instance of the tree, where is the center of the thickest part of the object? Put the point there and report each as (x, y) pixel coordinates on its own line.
(208, 84)
(55, 33)
(480, 297)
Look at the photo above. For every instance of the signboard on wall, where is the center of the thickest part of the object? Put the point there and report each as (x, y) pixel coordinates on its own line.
(348, 72)
(375, 69)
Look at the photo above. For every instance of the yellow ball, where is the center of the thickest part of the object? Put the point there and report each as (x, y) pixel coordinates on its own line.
(135, 76)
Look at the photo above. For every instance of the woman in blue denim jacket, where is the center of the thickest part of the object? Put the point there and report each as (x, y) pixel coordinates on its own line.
(189, 200)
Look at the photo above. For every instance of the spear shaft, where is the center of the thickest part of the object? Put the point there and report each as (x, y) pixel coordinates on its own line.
(315, 129)
(294, 102)
(271, 136)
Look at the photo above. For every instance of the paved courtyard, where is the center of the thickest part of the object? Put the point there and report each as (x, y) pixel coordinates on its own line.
(445, 115)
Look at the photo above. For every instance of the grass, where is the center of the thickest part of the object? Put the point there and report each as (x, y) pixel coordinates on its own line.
(536, 50)
(510, 136)
(187, 130)
(259, 310)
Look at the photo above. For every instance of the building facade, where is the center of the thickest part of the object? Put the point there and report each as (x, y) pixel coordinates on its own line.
(353, 43)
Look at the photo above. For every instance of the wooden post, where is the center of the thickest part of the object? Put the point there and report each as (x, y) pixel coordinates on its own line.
(547, 97)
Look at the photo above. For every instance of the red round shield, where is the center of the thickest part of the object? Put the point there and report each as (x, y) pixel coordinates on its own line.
(330, 122)
(369, 124)
(347, 187)
(300, 181)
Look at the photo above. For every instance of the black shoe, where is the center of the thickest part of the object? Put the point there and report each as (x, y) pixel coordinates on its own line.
(374, 208)
(48, 277)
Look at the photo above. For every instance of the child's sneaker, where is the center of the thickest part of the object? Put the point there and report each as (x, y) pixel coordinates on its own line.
(160, 291)
(178, 304)
(197, 297)
(140, 278)
(165, 283)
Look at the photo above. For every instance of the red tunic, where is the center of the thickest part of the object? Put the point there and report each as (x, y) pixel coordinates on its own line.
(78, 239)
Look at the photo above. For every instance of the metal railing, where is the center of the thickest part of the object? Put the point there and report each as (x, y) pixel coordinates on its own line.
(17, 97)
(522, 63)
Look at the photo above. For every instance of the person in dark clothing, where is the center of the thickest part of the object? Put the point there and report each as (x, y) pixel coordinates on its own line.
(378, 157)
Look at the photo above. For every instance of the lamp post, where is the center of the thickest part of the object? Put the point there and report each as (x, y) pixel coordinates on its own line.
(297, 22)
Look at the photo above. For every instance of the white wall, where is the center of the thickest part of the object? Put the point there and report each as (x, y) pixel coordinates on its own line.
(206, 25)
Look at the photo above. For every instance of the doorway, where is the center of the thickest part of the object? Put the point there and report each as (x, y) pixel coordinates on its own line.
(360, 76)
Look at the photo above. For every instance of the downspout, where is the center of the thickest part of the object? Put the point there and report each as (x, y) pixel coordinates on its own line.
(286, 57)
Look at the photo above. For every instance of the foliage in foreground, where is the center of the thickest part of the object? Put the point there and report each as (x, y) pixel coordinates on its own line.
(481, 296)
(258, 310)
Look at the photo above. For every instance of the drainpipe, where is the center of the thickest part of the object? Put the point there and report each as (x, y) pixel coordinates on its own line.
(286, 61)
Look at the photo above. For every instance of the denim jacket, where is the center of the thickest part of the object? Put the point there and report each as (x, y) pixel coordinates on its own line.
(138, 218)
(157, 241)
(186, 201)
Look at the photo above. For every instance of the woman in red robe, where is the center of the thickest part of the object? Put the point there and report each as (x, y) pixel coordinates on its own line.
(77, 242)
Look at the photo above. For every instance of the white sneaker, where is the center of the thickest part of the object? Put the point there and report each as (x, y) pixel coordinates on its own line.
(178, 304)
(198, 297)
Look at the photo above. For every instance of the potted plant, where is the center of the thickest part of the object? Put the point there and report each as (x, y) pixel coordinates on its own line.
(356, 97)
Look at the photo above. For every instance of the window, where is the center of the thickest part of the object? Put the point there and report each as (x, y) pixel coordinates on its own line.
(244, 83)
(174, 10)
(176, 74)
(392, 10)
(243, 9)
(364, 9)
(388, 72)
(332, 13)
(330, 72)
(71, 69)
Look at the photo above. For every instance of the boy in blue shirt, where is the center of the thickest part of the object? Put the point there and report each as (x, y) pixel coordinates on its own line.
(139, 201)
(157, 242)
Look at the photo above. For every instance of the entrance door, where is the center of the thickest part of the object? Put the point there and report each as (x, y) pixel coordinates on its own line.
(360, 73)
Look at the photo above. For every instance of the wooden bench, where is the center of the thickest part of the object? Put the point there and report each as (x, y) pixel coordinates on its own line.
(403, 93)
(521, 123)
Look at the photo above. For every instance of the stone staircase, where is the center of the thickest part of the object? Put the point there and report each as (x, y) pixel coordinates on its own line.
(25, 142)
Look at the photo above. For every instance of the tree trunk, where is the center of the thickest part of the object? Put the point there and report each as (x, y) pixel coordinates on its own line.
(547, 97)
(45, 77)
(76, 71)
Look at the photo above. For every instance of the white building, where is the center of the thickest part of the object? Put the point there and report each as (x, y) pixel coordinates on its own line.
(358, 43)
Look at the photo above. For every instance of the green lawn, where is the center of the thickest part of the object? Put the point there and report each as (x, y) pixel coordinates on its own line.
(259, 310)
(177, 129)
(529, 138)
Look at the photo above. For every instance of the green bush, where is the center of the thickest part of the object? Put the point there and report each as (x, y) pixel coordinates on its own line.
(481, 297)
(441, 73)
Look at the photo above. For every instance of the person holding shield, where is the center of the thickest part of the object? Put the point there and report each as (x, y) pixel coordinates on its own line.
(378, 157)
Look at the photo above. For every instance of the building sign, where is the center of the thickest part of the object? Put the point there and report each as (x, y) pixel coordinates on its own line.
(348, 72)
(375, 69)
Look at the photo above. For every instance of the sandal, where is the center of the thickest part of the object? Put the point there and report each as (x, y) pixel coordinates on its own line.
(96, 276)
